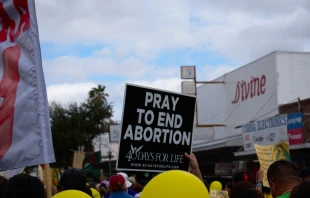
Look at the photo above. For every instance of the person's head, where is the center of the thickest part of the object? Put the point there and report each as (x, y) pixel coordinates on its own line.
(305, 173)
(3, 186)
(132, 180)
(301, 190)
(117, 183)
(280, 148)
(240, 188)
(23, 185)
(252, 193)
(128, 183)
(72, 179)
(282, 176)
(238, 177)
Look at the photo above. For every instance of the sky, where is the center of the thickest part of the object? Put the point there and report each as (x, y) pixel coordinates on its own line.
(113, 42)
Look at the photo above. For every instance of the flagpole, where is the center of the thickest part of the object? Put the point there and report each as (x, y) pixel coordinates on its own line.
(48, 181)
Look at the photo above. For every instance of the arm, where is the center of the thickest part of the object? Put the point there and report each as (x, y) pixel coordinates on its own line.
(259, 180)
(193, 166)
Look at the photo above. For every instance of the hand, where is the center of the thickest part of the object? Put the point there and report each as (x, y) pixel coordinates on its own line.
(193, 163)
(260, 175)
(194, 166)
(8, 89)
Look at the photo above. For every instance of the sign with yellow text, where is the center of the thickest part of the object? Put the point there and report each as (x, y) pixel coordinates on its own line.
(218, 194)
(269, 154)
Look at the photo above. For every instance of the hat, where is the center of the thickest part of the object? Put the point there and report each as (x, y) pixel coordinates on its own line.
(116, 181)
(125, 176)
(132, 180)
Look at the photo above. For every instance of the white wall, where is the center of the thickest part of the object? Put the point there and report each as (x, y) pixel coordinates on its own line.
(215, 100)
(104, 145)
(293, 76)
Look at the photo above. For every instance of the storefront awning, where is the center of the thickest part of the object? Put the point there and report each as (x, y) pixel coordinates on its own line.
(231, 141)
(291, 147)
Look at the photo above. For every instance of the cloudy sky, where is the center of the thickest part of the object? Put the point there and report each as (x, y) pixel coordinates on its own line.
(111, 42)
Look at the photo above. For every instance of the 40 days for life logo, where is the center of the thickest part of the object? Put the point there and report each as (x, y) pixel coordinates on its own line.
(135, 154)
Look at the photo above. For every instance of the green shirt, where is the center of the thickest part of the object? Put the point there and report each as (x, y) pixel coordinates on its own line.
(286, 195)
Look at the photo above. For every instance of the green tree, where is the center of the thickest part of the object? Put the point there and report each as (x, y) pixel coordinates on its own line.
(77, 125)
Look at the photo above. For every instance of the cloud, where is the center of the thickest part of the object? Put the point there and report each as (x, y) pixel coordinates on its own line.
(239, 30)
(66, 93)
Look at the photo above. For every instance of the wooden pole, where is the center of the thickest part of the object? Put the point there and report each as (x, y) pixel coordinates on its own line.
(48, 180)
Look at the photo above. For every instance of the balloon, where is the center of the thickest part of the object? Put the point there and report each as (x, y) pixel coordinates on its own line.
(71, 194)
(216, 185)
(175, 183)
(95, 193)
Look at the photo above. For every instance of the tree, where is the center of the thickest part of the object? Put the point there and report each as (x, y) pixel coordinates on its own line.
(77, 125)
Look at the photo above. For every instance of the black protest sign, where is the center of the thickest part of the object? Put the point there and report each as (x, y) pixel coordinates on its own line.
(156, 130)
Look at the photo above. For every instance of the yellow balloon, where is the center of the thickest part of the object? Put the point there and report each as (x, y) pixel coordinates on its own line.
(175, 183)
(216, 185)
(95, 193)
(71, 194)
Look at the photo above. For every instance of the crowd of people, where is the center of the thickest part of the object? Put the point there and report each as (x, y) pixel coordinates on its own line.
(283, 178)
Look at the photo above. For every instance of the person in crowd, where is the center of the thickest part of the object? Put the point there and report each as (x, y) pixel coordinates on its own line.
(302, 190)
(3, 186)
(283, 177)
(54, 191)
(239, 188)
(239, 177)
(24, 185)
(73, 179)
(194, 166)
(305, 173)
(118, 187)
(127, 183)
(136, 186)
(228, 188)
(103, 189)
(251, 193)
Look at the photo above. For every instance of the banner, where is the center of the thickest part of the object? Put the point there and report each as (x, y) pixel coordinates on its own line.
(218, 194)
(156, 130)
(269, 154)
(25, 133)
(11, 173)
(78, 158)
(286, 128)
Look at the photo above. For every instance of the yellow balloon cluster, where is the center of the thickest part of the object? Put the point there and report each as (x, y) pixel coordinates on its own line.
(216, 185)
(175, 183)
(71, 194)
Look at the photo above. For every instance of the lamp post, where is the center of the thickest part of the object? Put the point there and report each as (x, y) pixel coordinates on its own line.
(110, 163)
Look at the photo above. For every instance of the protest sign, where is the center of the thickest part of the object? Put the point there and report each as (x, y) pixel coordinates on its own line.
(156, 130)
(269, 154)
(287, 128)
(218, 194)
(25, 132)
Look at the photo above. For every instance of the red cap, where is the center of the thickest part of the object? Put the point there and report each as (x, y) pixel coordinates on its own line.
(116, 182)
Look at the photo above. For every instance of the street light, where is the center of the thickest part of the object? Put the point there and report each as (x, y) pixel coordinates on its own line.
(110, 164)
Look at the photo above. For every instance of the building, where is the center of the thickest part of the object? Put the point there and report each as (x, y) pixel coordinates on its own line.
(255, 91)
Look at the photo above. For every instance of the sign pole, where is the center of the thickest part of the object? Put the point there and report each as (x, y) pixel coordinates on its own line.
(48, 181)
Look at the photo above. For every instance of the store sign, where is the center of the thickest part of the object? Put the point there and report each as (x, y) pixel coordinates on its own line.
(188, 87)
(253, 88)
(157, 128)
(287, 128)
(294, 129)
(224, 168)
(188, 72)
(115, 132)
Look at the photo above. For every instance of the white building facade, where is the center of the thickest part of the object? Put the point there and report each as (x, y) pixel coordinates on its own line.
(249, 93)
